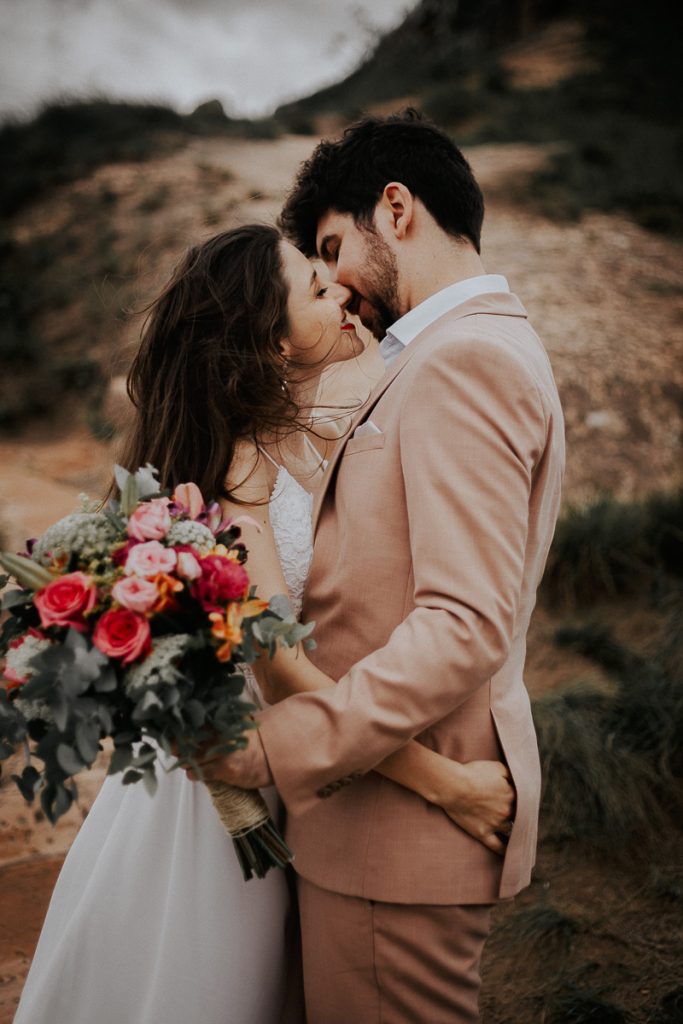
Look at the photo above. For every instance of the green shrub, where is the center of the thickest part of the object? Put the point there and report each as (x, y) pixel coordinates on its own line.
(612, 549)
(613, 761)
(69, 140)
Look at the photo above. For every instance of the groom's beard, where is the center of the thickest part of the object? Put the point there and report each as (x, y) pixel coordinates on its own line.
(378, 306)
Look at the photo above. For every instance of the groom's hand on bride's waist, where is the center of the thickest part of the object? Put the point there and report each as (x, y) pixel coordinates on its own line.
(247, 768)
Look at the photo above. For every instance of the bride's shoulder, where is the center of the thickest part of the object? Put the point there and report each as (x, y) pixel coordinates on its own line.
(250, 477)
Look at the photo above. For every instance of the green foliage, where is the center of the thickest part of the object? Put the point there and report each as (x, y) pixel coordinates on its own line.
(670, 1009)
(613, 761)
(620, 124)
(575, 1004)
(612, 549)
(542, 929)
(68, 140)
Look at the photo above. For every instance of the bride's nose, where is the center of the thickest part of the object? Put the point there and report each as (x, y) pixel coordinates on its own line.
(341, 293)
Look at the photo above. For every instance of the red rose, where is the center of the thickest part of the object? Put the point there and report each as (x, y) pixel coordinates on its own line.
(123, 634)
(222, 580)
(66, 601)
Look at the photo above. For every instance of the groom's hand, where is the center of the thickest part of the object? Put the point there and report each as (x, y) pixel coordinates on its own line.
(247, 768)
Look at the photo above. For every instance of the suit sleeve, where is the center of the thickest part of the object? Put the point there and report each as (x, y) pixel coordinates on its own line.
(472, 429)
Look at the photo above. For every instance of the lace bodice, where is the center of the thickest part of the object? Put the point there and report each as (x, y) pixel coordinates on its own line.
(291, 517)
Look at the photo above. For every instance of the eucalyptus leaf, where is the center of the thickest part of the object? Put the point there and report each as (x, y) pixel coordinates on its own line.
(4, 580)
(48, 797)
(63, 800)
(116, 520)
(146, 755)
(150, 782)
(122, 738)
(120, 760)
(87, 741)
(16, 599)
(27, 782)
(68, 760)
(106, 681)
(195, 712)
(105, 719)
(59, 707)
(11, 628)
(280, 604)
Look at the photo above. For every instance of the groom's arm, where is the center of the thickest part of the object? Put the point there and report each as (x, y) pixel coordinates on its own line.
(472, 428)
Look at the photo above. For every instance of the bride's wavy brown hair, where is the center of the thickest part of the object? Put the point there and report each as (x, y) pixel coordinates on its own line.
(209, 370)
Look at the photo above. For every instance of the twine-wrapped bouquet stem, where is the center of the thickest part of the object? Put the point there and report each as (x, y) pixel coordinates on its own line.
(246, 818)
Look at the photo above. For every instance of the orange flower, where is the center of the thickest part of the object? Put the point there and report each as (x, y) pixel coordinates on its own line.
(254, 607)
(223, 552)
(227, 629)
(166, 586)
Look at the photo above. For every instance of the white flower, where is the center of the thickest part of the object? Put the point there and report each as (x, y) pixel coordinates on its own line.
(18, 658)
(159, 666)
(198, 536)
(33, 709)
(85, 533)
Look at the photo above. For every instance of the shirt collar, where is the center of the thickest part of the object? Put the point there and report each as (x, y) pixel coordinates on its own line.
(419, 318)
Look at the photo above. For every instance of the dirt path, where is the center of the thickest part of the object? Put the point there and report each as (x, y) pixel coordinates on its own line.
(606, 297)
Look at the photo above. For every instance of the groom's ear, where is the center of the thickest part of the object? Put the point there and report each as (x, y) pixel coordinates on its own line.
(398, 205)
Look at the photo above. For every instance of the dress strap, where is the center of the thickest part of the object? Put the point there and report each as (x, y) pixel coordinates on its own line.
(269, 457)
(314, 451)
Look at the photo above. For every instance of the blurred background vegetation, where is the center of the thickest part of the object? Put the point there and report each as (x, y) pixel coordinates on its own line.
(98, 199)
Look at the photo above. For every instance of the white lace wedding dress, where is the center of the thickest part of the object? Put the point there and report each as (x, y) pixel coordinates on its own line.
(150, 921)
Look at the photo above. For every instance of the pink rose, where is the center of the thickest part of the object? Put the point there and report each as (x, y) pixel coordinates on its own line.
(222, 580)
(188, 567)
(138, 595)
(66, 601)
(123, 634)
(150, 520)
(149, 559)
(189, 498)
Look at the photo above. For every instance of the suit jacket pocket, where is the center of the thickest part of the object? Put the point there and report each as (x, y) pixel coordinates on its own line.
(364, 443)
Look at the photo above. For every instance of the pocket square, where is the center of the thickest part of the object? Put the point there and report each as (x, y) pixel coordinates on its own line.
(366, 428)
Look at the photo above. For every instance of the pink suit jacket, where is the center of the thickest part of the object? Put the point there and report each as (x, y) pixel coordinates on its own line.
(430, 541)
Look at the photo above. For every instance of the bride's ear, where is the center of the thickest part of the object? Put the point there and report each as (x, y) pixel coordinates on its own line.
(285, 349)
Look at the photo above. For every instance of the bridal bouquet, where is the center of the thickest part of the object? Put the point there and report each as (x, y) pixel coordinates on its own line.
(132, 623)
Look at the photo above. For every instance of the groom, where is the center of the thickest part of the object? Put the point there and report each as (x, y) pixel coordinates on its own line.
(431, 536)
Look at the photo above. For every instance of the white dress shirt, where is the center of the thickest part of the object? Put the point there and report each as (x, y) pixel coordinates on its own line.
(416, 320)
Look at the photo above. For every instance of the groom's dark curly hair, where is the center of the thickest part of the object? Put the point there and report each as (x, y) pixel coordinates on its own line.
(349, 176)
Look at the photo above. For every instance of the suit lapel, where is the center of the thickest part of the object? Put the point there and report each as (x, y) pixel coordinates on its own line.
(505, 304)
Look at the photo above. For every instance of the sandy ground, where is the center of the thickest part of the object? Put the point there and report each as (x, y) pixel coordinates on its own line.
(606, 297)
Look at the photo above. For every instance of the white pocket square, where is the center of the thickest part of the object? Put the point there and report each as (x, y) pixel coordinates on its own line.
(366, 428)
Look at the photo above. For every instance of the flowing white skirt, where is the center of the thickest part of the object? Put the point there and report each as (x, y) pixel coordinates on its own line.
(151, 922)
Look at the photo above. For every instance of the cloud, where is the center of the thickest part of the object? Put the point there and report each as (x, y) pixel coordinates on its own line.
(250, 56)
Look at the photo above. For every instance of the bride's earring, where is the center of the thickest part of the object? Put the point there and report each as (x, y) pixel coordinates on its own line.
(283, 377)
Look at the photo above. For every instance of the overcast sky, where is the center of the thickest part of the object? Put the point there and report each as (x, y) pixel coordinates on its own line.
(250, 54)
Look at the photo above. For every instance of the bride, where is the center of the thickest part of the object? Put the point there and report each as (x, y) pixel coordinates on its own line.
(150, 920)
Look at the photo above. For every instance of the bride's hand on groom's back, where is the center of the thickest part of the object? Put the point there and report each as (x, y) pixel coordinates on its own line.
(481, 800)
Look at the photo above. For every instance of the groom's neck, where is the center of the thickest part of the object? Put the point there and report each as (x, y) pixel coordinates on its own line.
(434, 266)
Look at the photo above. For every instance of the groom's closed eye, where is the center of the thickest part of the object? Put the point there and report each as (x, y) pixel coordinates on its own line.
(329, 249)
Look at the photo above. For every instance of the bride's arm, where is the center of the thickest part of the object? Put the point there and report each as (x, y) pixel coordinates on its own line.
(477, 796)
